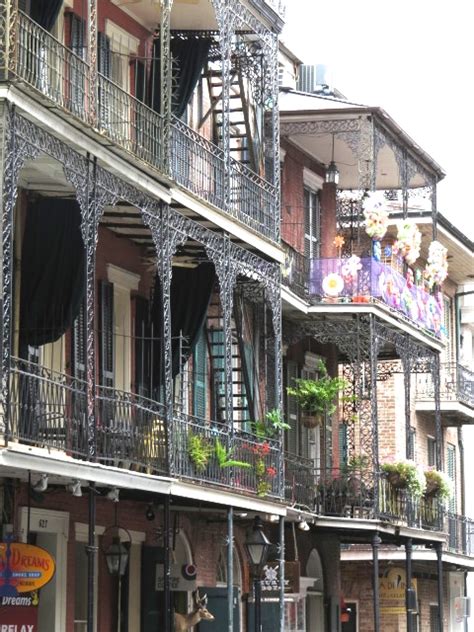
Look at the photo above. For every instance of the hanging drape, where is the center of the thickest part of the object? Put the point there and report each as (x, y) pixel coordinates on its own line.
(191, 290)
(52, 270)
(45, 12)
(189, 59)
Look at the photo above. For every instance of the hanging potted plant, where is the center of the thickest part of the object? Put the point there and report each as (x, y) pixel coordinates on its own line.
(438, 485)
(405, 475)
(318, 398)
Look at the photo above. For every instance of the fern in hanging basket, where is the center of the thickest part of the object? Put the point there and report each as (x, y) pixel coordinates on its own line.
(317, 398)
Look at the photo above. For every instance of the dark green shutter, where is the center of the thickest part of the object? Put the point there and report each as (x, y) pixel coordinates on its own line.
(451, 472)
(103, 54)
(106, 358)
(291, 409)
(343, 445)
(78, 359)
(200, 372)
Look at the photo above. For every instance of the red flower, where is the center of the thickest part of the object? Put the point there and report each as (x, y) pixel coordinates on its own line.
(271, 471)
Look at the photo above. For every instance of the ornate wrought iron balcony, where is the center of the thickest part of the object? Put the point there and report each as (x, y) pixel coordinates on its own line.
(365, 280)
(456, 393)
(48, 409)
(63, 78)
(460, 534)
(356, 493)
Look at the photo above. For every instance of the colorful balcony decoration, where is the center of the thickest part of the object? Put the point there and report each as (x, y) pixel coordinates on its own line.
(364, 280)
(376, 219)
(436, 269)
(408, 242)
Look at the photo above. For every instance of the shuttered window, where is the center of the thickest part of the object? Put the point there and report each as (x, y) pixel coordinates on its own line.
(343, 445)
(199, 375)
(106, 335)
(78, 359)
(311, 223)
(451, 472)
(292, 409)
(103, 54)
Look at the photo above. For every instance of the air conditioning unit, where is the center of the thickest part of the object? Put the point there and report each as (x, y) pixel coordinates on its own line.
(313, 78)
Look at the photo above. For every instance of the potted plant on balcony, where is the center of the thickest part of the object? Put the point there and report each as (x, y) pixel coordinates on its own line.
(318, 398)
(438, 485)
(199, 451)
(405, 475)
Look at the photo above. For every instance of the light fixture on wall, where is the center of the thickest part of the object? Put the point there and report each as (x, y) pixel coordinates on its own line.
(332, 172)
(75, 488)
(41, 484)
(113, 494)
(150, 513)
(302, 524)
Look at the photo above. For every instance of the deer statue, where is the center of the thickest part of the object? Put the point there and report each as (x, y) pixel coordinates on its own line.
(184, 622)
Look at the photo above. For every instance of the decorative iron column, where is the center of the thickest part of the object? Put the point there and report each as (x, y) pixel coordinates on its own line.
(439, 560)
(374, 352)
(376, 542)
(435, 372)
(281, 544)
(366, 154)
(230, 569)
(167, 564)
(166, 70)
(225, 21)
(274, 150)
(91, 551)
(92, 59)
(408, 587)
(434, 209)
(8, 37)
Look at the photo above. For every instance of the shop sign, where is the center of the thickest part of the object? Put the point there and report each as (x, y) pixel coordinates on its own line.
(183, 578)
(271, 577)
(23, 568)
(392, 589)
(19, 614)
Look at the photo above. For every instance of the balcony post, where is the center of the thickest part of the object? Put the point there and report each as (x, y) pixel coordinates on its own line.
(275, 138)
(167, 563)
(166, 82)
(408, 586)
(8, 25)
(230, 568)
(376, 542)
(281, 545)
(225, 21)
(91, 551)
(439, 559)
(92, 59)
(435, 372)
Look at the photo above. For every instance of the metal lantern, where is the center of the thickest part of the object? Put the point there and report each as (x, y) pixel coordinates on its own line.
(116, 557)
(332, 173)
(257, 546)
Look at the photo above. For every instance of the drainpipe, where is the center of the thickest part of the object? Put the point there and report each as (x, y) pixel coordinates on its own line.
(376, 542)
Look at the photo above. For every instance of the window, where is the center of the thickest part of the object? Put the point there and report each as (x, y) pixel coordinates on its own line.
(434, 620)
(311, 223)
(451, 472)
(431, 449)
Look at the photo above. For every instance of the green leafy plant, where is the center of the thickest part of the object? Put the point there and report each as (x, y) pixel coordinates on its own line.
(199, 450)
(224, 459)
(320, 396)
(438, 484)
(269, 427)
(405, 475)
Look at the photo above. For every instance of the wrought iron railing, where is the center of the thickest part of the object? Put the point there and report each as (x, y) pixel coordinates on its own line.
(456, 384)
(47, 65)
(365, 280)
(197, 164)
(277, 5)
(460, 534)
(295, 272)
(47, 409)
(299, 481)
(253, 200)
(63, 77)
(397, 504)
(251, 465)
(130, 123)
(130, 431)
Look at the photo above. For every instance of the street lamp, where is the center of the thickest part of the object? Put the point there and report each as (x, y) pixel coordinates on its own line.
(116, 556)
(257, 547)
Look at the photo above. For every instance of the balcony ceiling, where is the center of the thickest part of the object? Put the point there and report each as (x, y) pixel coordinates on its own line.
(312, 122)
(186, 14)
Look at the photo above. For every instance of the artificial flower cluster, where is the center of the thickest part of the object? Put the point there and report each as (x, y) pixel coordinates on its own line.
(408, 242)
(376, 219)
(350, 268)
(436, 269)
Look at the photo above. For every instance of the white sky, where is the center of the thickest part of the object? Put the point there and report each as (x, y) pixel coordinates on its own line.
(414, 58)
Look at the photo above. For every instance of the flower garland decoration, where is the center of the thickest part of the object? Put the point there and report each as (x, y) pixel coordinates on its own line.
(408, 241)
(436, 269)
(376, 219)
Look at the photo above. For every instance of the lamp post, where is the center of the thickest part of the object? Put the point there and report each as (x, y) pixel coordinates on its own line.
(116, 556)
(257, 547)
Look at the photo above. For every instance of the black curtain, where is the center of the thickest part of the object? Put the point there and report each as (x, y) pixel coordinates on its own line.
(191, 290)
(45, 12)
(52, 271)
(189, 58)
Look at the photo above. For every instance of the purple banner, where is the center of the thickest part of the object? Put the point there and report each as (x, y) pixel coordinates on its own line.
(364, 280)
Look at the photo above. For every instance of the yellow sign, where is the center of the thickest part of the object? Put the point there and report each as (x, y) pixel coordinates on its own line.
(24, 568)
(392, 587)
